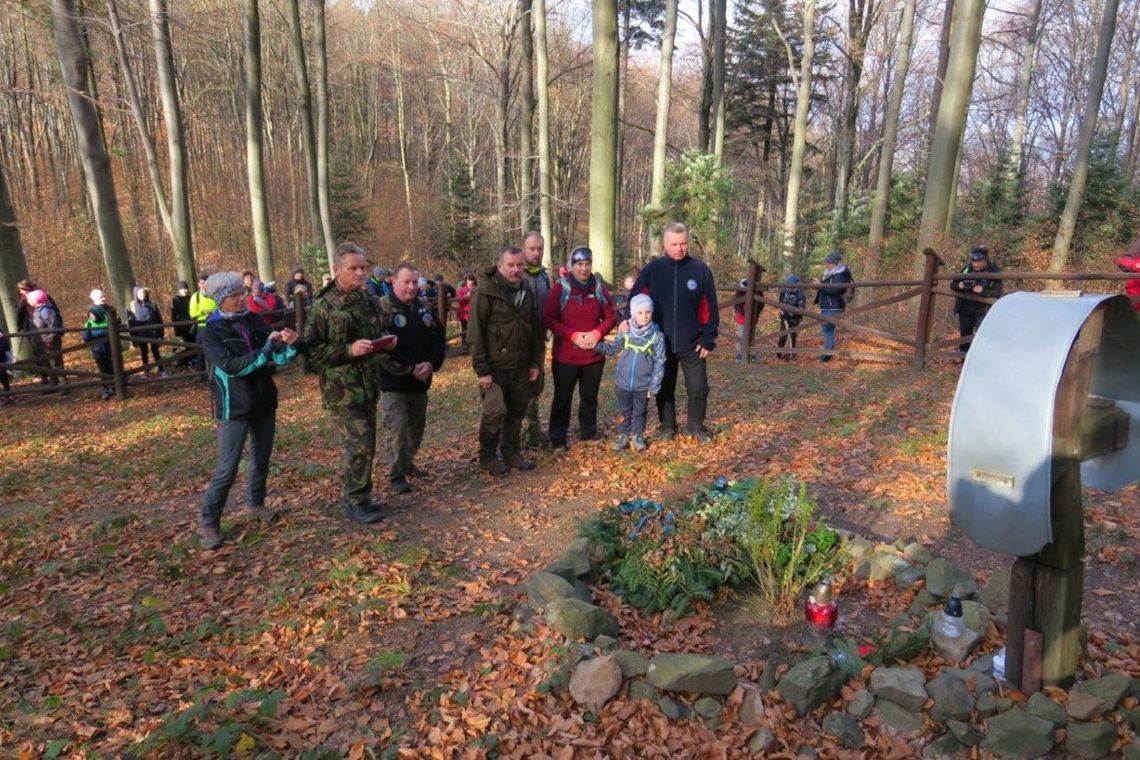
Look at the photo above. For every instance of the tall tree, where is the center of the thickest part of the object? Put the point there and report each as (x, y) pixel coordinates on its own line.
(603, 138)
(951, 123)
(719, 42)
(1016, 166)
(321, 64)
(940, 75)
(890, 137)
(799, 139)
(542, 72)
(860, 18)
(308, 131)
(401, 127)
(1079, 180)
(13, 265)
(526, 117)
(254, 146)
(661, 127)
(92, 151)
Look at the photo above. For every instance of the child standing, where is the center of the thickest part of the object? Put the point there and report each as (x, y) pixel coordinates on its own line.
(640, 369)
(95, 334)
(792, 295)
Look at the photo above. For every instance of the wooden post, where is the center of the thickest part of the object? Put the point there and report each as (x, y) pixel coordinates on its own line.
(442, 305)
(1045, 590)
(925, 308)
(755, 272)
(115, 343)
(299, 314)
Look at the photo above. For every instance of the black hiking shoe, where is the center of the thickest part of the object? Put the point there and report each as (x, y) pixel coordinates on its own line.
(494, 466)
(361, 513)
(401, 485)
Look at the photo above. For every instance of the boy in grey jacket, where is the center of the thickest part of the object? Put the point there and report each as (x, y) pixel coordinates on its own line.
(640, 369)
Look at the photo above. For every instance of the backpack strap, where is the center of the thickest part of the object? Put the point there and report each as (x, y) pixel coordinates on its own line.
(599, 293)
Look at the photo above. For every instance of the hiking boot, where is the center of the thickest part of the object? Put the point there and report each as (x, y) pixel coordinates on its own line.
(534, 439)
(106, 395)
(519, 463)
(418, 472)
(622, 442)
(400, 484)
(494, 466)
(639, 443)
(666, 434)
(210, 535)
(360, 513)
(702, 436)
(263, 513)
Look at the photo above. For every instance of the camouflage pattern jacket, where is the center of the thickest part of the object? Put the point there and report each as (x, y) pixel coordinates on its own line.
(337, 319)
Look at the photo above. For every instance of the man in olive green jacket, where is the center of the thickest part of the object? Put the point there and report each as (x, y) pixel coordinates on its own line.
(506, 354)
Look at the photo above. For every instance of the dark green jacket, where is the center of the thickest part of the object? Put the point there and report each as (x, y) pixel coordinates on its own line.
(504, 335)
(337, 319)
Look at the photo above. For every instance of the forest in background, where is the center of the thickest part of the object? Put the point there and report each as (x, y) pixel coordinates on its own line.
(428, 141)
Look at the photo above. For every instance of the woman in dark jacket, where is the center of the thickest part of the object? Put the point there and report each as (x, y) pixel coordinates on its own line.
(579, 311)
(971, 313)
(832, 300)
(145, 321)
(239, 347)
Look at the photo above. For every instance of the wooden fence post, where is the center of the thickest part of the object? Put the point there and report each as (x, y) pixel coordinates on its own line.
(115, 343)
(442, 306)
(299, 314)
(925, 308)
(744, 342)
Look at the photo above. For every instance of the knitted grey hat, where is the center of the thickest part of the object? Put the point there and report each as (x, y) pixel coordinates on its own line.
(640, 302)
(221, 285)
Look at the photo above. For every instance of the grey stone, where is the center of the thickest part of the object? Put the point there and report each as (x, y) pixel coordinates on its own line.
(844, 728)
(1109, 689)
(1132, 752)
(1132, 718)
(810, 683)
(1001, 622)
(965, 733)
(945, 747)
(861, 703)
(858, 547)
(806, 750)
(1083, 706)
(542, 588)
(579, 563)
(990, 705)
(1134, 687)
(595, 682)
(760, 741)
(995, 594)
(952, 699)
(942, 575)
(699, 673)
(954, 649)
(1018, 734)
(639, 688)
(631, 663)
(563, 569)
(1090, 740)
(1042, 707)
(672, 708)
(578, 620)
(965, 589)
(976, 617)
(522, 613)
(880, 565)
(751, 708)
(908, 577)
(707, 707)
(917, 553)
(906, 687)
(898, 719)
(605, 644)
(984, 664)
(768, 675)
(922, 600)
(980, 683)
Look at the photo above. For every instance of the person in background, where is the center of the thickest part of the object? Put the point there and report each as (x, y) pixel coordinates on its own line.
(5, 375)
(239, 348)
(1130, 262)
(201, 306)
(639, 372)
(463, 304)
(537, 280)
(377, 285)
(833, 300)
(261, 302)
(621, 302)
(247, 279)
(95, 332)
(24, 311)
(971, 313)
(47, 346)
(740, 312)
(145, 321)
(790, 295)
(180, 312)
(297, 281)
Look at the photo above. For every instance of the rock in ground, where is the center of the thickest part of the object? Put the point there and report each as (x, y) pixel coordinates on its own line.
(1109, 689)
(861, 703)
(1090, 740)
(631, 663)
(906, 687)
(952, 699)
(810, 683)
(542, 588)
(578, 620)
(1042, 707)
(844, 728)
(1018, 734)
(945, 747)
(995, 594)
(898, 719)
(595, 682)
(699, 673)
(942, 575)
(954, 649)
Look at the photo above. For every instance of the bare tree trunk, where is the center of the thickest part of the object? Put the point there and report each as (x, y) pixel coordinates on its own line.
(1068, 223)
(890, 139)
(1134, 124)
(603, 138)
(401, 131)
(92, 152)
(943, 62)
(1016, 168)
(543, 74)
(661, 128)
(321, 64)
(13, 265)
(703, 112)
(860, 16)
(951, 123)
(799, 140)
(526, 119)
(308, 132)
(720, 38)
(254, 150)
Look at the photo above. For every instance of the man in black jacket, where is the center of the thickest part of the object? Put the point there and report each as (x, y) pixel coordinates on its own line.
(406, 373)
(971, 313)
(833, 300)
(684, 305)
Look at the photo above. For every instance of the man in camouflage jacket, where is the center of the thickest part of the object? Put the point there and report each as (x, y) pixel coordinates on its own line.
(506, 354)
(338, 336)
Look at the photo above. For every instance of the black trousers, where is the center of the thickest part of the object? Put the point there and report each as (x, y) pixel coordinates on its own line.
(968, 321)
(787, 324)
(588, 378)
(696, 388)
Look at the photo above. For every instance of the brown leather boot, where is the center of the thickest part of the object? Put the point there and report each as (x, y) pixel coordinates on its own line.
(210, 535)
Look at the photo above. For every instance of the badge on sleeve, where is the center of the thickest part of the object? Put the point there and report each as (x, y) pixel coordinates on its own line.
(427, 319)
(691, 284)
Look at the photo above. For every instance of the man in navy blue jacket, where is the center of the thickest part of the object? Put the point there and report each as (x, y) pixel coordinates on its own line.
(684, 305)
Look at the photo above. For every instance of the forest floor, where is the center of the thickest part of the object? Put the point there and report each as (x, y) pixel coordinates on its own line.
(314, 636)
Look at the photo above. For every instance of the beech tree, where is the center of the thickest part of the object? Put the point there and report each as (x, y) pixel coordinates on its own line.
(603, 138)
